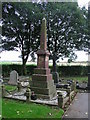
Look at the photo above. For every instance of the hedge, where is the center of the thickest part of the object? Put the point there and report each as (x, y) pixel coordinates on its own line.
(6, 69)
(73, 70)
(62, 70)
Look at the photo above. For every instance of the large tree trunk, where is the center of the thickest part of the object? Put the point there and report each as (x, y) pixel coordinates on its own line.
(55, 56)
(54, 66)
(24, 70)
(24, 60)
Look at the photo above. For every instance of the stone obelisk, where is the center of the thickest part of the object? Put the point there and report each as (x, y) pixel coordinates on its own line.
(42, 83)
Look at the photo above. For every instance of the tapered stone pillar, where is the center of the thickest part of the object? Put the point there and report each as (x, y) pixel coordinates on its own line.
(42, 83)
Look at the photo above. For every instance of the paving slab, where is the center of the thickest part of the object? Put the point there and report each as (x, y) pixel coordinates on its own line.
(79, 107)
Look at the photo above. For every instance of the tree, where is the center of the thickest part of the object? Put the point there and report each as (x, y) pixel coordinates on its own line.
(66, 28)
(21, 29)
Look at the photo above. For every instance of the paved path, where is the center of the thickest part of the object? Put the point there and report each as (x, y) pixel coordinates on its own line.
(78, 107)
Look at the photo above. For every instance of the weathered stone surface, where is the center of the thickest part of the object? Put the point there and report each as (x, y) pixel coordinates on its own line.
(28, 95)
(42, 61)
(42, 71)
(45, 91)
(13, 78)
(39, 77)
(43, 43)
(42, 83)
(55, 77)
(46, 96)
(43, 52)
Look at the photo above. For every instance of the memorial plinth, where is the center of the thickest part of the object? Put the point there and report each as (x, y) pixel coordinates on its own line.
(42, 83)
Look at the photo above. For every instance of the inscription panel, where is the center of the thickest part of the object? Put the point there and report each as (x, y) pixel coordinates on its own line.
(41, 63)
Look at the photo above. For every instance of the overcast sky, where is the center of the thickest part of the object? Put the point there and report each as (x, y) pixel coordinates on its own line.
(83, 3)
(13, 56)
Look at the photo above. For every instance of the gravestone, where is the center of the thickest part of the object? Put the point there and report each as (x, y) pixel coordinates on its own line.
(13, 78)
(55, 77)
(55, 73)
(42, 83)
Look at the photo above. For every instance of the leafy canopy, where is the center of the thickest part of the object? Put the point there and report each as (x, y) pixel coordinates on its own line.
(66, 28)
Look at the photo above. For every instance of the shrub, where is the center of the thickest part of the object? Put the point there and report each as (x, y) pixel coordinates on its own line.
(62, 70)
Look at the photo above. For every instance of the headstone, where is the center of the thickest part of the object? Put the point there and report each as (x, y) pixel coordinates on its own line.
(55, 77)
(55, 73)
(42, 83)
(13, 78)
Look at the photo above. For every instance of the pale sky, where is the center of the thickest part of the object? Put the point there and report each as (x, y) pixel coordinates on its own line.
(83, 3)
(13, 56)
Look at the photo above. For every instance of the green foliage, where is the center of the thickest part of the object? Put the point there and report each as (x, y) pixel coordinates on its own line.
(62, 70)
(6, 69)
(73, 70)
(14, 109)
(21, 29)
(67, 28)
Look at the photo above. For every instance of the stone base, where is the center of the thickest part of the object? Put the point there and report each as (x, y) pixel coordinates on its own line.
(42, 84)
(45, 91)
(45, 94)
(48, 97)
(11, 83)
(42, 71)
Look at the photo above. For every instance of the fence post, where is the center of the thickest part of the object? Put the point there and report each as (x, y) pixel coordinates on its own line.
(68, 93)
(60, 99)
(19, 86)
(3, 91)
(28, 95)
(89, 81)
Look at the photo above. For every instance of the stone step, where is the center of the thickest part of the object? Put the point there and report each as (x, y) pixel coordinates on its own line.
(50, 96)
(42, 84)
(42, 71)
(44, 91)
(39, 77)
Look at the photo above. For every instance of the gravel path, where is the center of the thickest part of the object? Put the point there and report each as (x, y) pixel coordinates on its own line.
(79, 107)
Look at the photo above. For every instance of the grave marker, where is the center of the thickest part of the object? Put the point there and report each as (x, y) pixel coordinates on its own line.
(42, 83)
(13, 78)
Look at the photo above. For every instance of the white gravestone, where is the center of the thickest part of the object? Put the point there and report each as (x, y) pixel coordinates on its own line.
(13, 78)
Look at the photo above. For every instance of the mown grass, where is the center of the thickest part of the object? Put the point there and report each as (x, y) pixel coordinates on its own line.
(10, 87)
(17, 109)
(76, 78)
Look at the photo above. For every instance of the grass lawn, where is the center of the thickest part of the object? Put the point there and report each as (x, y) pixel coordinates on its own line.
(18, 109)
(77, 78)
(10, 87)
